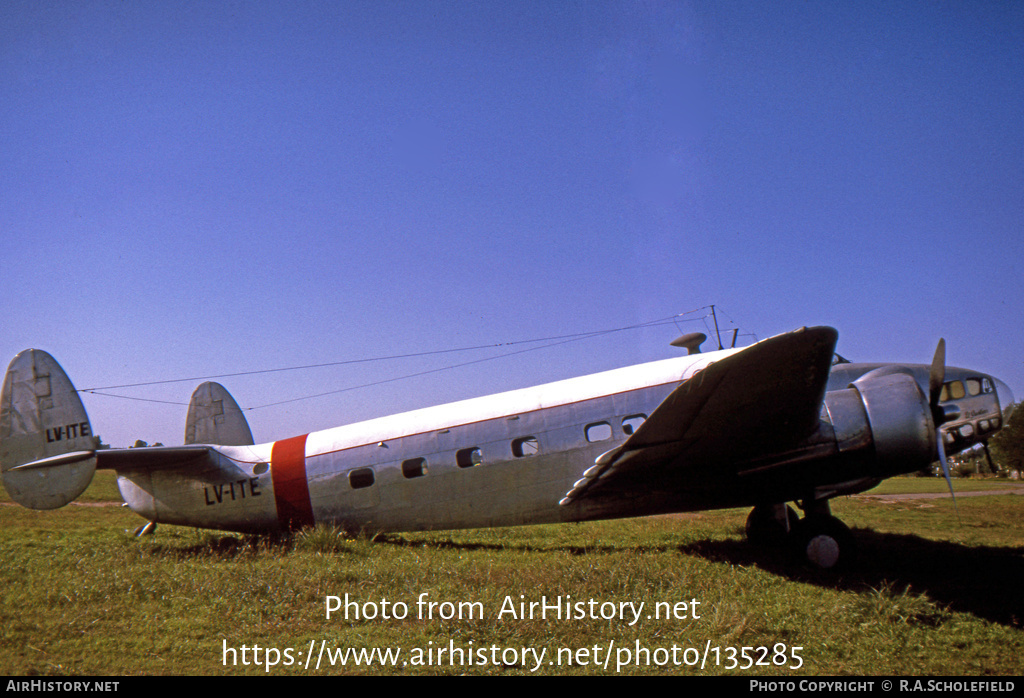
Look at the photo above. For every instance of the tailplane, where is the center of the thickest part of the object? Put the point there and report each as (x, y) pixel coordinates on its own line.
(47, 448)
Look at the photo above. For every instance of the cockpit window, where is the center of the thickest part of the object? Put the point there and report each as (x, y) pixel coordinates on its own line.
(973, 386)
(954, 390)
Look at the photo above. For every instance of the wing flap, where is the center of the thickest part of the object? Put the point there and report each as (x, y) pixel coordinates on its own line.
(761, 400)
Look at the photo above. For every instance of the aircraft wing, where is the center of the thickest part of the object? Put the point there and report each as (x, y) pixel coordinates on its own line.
(760, 400)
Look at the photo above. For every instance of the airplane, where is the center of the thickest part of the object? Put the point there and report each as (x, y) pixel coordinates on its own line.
(759, 426)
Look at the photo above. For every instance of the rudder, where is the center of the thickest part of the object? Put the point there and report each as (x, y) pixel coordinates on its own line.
(47, 448)
(215, 418)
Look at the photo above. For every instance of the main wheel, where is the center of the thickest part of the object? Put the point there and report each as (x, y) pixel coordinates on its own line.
(824, 542)
(766, 526)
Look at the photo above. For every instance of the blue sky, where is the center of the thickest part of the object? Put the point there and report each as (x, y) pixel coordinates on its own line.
(199, 188)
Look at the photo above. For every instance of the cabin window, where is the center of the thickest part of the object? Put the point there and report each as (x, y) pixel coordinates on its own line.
(632, 423)
(599, 431)
(360, 478)
(414, 467)
(526, 446)
(468, 457)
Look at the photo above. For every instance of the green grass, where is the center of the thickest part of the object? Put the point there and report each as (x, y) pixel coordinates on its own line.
(929, 595)
(937, 485)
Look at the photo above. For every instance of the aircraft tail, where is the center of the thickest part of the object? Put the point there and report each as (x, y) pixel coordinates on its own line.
(47, 448)
(215, 418)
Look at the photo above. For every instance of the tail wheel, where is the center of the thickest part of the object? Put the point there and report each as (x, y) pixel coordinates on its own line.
(824, 542)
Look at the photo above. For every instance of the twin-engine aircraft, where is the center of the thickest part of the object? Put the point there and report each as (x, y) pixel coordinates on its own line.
(759, 426)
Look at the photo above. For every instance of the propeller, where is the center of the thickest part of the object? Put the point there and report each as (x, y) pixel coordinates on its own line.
(936, 377)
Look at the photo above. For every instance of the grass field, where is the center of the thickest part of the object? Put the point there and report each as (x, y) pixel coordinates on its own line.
(929, 595)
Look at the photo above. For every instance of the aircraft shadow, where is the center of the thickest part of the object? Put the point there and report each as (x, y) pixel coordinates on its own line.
(980, 580)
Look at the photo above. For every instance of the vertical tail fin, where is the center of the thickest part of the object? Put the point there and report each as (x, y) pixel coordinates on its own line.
(47, 448)
(215, 418)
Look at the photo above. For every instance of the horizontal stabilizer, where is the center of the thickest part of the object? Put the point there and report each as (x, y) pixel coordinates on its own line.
(46, 441)
(151, 458)
(56, 461)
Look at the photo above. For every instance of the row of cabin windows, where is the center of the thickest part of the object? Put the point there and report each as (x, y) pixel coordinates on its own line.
(522, 447)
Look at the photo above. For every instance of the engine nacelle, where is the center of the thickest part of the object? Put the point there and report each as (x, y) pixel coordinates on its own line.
(887, 411)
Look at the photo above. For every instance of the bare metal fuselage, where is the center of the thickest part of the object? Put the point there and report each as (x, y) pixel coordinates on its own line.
(500, 460)
(507, 459)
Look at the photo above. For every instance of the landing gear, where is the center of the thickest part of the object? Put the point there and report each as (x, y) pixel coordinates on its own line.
(771, 524)
(146, 529)
(818, 539)
(823, 542)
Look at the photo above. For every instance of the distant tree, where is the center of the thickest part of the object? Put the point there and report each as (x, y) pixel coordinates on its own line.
(1008, 444)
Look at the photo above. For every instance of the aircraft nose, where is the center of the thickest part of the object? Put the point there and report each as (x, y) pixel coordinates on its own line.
(1006, 403)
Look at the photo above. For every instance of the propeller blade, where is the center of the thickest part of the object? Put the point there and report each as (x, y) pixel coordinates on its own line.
(945, 472)
(937, 375)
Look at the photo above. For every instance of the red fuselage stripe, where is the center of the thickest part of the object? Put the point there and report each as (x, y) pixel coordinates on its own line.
(291, 489)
